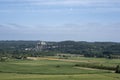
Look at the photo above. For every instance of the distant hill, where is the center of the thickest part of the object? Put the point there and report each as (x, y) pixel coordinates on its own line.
(88, 49)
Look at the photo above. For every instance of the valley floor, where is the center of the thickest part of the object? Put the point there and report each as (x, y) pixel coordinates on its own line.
(53, 68)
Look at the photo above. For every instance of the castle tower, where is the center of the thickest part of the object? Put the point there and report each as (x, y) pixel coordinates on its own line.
(41, 46)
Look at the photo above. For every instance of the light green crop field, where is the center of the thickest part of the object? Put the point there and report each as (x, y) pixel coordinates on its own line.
(54, 69)
(12, 76)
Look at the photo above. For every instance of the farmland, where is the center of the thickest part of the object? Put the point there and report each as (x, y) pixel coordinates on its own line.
(52, 68)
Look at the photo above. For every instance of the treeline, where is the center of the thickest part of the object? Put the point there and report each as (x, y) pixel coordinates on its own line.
(91, 49)
(116, 69)
(88, 49)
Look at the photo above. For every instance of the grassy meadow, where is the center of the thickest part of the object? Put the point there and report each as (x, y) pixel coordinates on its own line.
(53, 68)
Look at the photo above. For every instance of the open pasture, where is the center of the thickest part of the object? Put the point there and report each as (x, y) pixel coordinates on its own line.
(52, 69)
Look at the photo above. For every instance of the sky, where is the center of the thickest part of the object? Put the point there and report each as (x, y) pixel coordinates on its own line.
(59, 20)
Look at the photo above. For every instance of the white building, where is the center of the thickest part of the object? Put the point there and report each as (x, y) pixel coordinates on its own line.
(41, 46)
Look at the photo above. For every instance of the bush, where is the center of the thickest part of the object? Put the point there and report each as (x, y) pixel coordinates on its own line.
(117, 70)
(96, 66)
(57, 66)
(3, 59)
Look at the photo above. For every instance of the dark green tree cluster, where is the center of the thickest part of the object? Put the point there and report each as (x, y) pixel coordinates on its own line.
(16, 49)
(117, 69)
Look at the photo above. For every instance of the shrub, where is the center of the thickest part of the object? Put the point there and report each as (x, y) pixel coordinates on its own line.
(96, 66)
(57, 66)
(117, 70)
(3, 59)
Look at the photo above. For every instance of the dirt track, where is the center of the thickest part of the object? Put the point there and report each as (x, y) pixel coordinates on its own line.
(67, 60)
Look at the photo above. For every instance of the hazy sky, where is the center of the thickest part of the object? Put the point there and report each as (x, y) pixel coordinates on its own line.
(56, 20)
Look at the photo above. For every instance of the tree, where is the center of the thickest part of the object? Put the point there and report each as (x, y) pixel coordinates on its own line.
(3, 59)
(117, 69)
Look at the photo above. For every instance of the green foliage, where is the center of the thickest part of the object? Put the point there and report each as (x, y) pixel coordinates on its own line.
(96, 66)
(3, 59)
(88, 49)
(117, 70)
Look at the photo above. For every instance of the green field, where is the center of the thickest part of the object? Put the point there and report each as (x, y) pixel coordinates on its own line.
(56, 69)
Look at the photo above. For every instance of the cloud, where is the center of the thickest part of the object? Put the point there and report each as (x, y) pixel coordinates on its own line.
(17, 25)
(83, 3)
(11, 28)
(65, 11)
(73, 2)
(1, 25)
(64, 2)
(88, 31)
(63, 29)
(66, 6)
